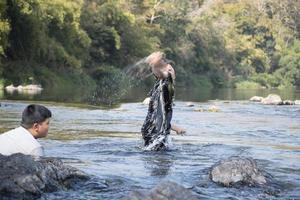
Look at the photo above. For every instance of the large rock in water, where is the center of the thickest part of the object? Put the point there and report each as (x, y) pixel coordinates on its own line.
(24, 178)
(237, 170)
(164, 191)
(256, 98)
(272, 99)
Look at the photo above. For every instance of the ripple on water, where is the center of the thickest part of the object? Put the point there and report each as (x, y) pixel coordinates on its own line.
(106, 144)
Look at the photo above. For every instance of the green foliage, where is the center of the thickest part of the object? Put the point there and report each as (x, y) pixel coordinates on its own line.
(4, 29)
(289, 71)
(118, 39)
(211, 43)
(266, 80)
(43, 29)
(1, 84)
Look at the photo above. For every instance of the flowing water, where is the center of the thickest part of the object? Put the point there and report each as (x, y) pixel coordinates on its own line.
(106, 144)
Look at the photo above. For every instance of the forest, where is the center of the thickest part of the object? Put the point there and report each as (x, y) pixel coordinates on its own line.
(89, 44)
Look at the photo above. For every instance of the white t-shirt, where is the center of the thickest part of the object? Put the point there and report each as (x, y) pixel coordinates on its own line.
(20, 140)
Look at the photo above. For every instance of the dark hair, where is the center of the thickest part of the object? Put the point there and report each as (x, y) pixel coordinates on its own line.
(34, 114)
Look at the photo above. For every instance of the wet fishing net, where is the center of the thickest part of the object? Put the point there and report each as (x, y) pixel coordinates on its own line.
(157, 124)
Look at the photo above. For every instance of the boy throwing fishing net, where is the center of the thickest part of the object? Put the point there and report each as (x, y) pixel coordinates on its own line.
(157, 124)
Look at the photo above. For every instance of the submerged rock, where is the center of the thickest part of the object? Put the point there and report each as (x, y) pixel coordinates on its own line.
(24, 178)
(212, 108)
(190, 104)
(164, 191)
(200, 110)
(256, 98)
(236, 170)
(272, 99)
(288, 102)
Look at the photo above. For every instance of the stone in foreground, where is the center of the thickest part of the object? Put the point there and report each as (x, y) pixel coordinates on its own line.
(24, 178)
(237, 170)
(164, 191)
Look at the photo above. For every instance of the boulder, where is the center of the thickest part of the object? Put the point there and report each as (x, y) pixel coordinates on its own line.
(22, 177)
(164, 191)
(237, 170)
(272, 99)
(256, 98)
(10, 88)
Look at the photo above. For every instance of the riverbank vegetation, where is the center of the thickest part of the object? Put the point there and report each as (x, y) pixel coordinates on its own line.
(90, 43)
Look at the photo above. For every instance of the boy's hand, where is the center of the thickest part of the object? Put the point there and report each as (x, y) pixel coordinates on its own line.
(178, 130)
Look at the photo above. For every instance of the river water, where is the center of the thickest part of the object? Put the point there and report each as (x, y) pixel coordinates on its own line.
(106, 144)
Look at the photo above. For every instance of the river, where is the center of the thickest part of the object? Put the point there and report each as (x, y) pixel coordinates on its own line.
(106, 144)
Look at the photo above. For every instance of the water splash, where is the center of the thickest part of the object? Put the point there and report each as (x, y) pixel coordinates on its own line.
(118, 83)
(139, 70)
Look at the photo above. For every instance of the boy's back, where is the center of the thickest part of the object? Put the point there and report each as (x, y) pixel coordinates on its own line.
(19, 140)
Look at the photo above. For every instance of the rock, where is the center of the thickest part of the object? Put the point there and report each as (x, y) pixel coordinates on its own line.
(256, 98)
(146, 101)
(31, 89)
(272, 99)
(20, 88)
(190, 104)
(297, 102)
(24, 178)
(10, 88)
(236, 170)
(199, 109)
(288, 102)
(164, 191)
(213, 109)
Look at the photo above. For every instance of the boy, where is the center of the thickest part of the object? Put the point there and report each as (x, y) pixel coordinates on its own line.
(35, 124)
(157, 124)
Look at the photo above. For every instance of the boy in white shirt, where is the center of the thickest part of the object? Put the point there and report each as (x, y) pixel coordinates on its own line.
(35, 124)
